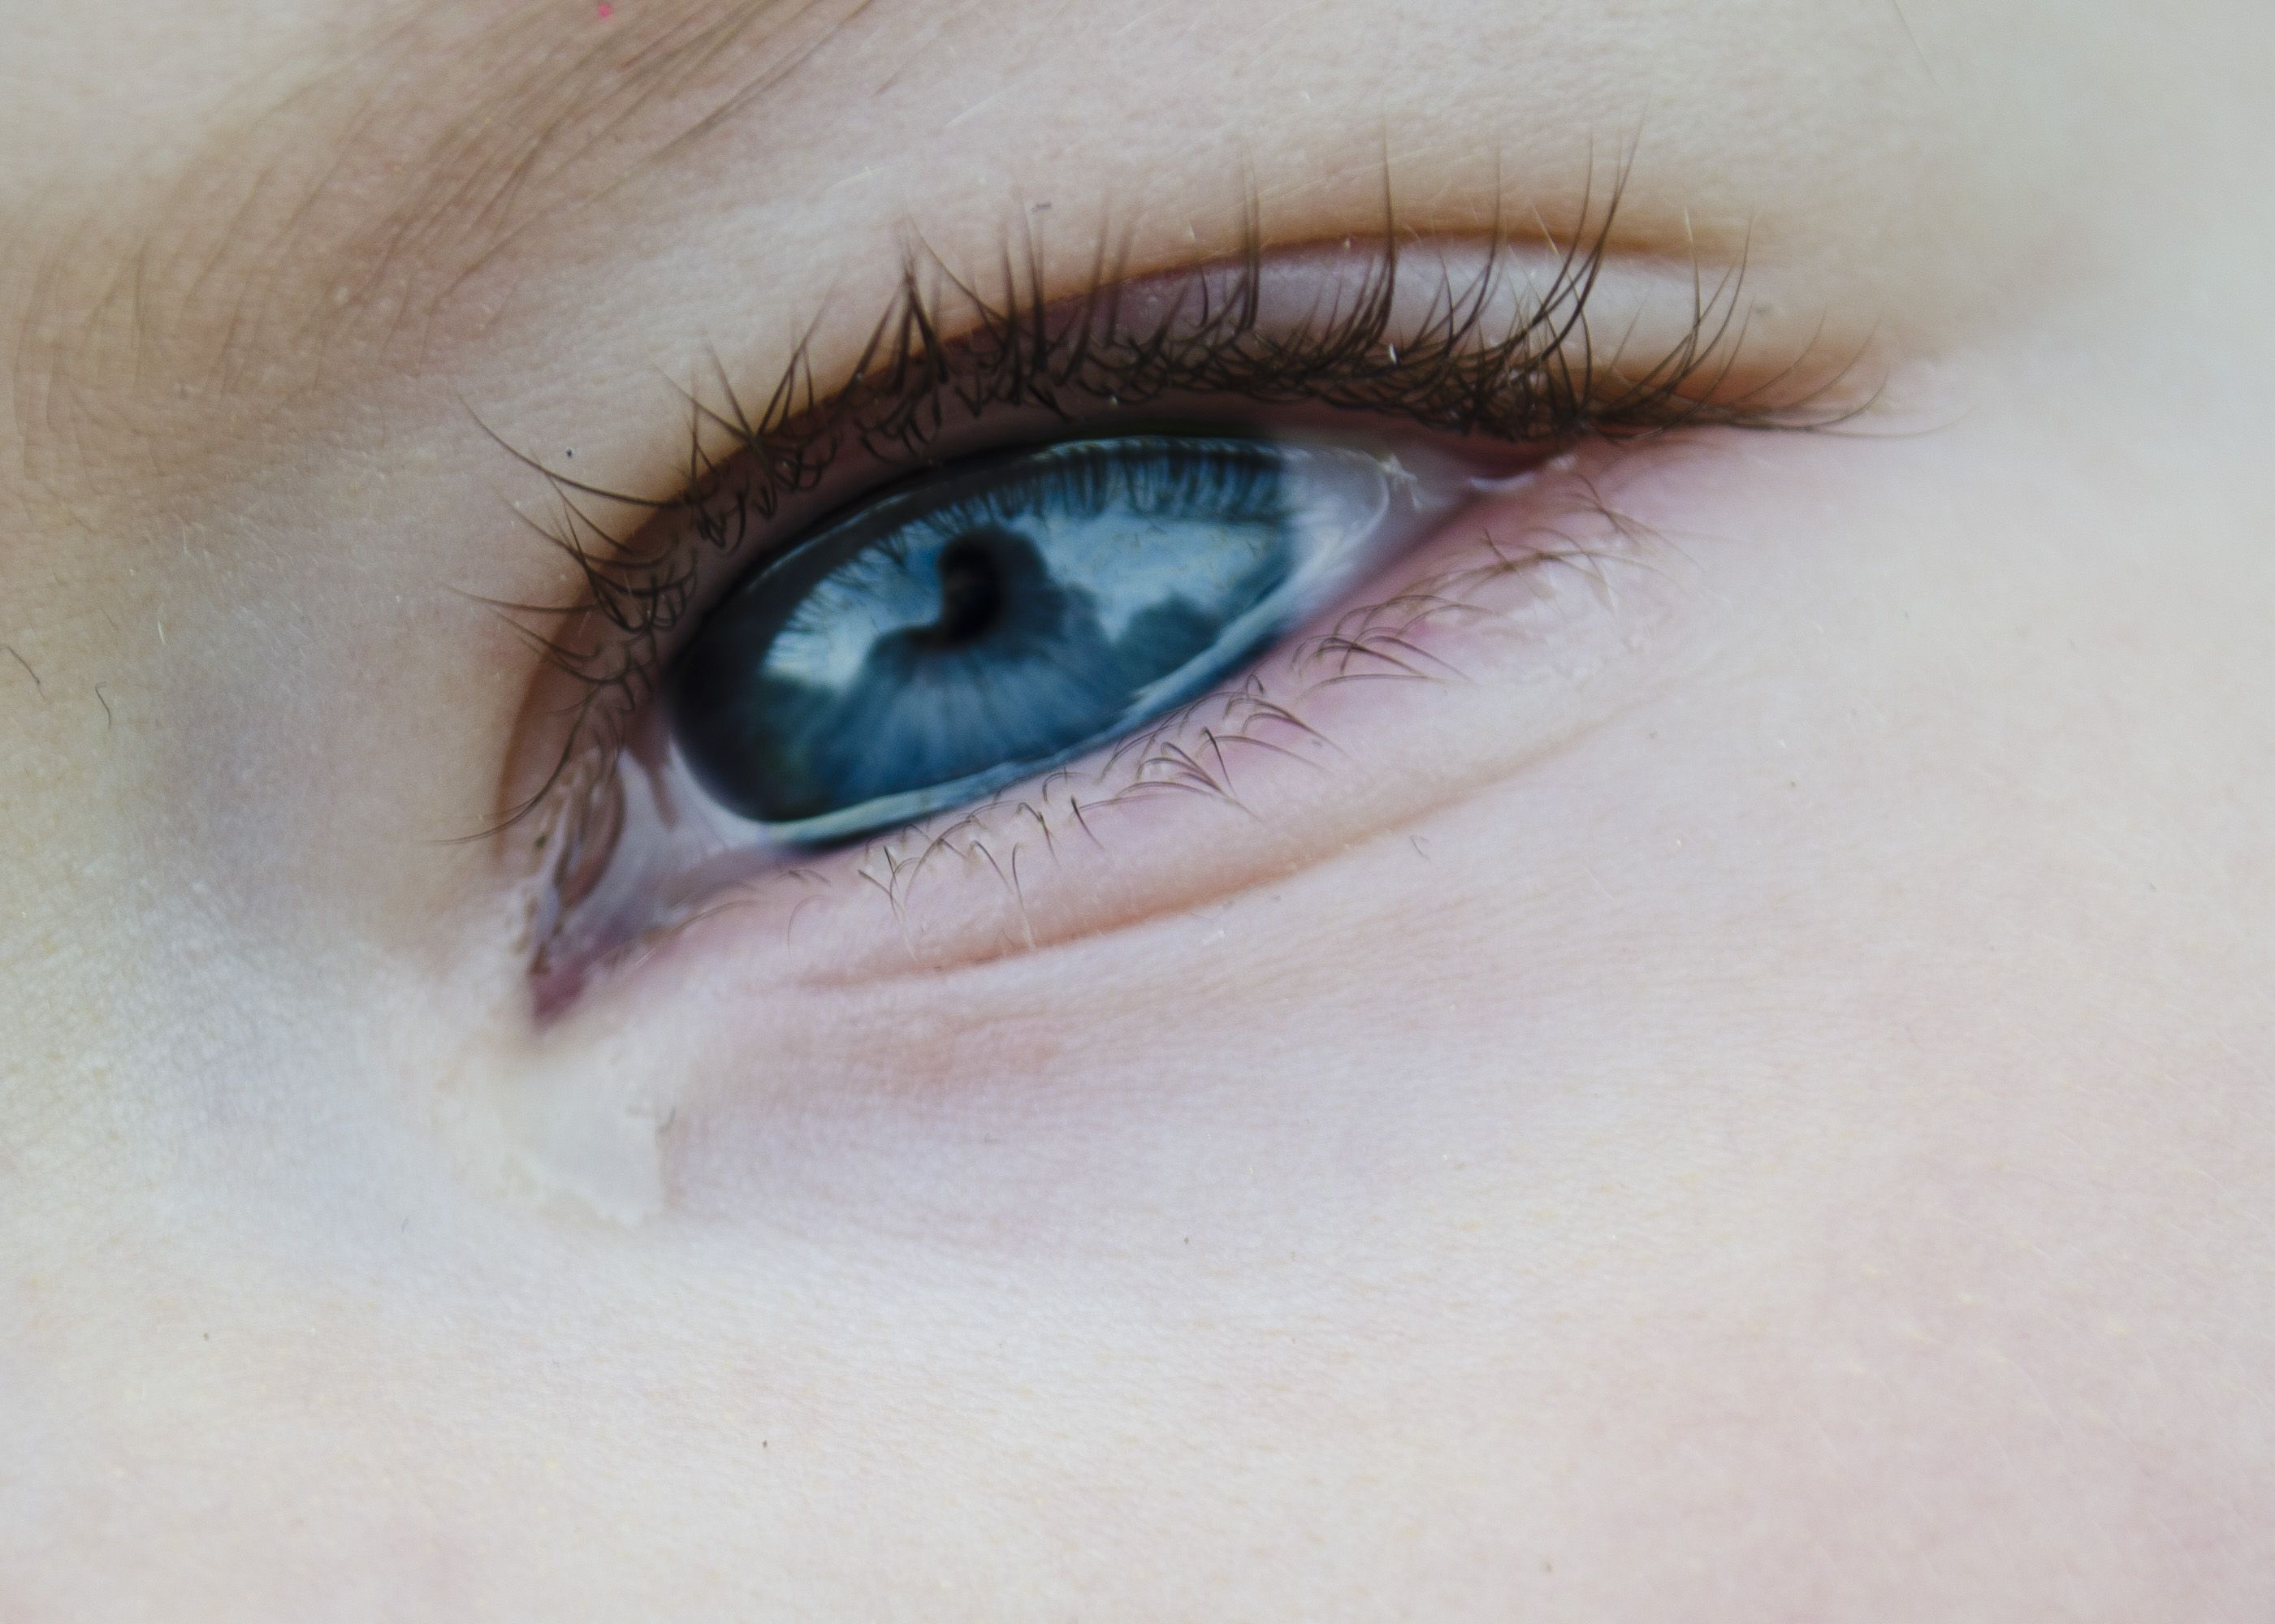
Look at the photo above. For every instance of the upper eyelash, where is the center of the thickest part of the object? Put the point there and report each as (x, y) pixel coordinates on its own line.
(946, 352)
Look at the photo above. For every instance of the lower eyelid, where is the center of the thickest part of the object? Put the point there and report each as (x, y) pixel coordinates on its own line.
(1478, 651)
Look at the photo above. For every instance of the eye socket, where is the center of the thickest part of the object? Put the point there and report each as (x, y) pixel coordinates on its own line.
(991, 623)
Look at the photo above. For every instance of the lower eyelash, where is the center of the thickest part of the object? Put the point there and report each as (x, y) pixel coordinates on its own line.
(1204, 751)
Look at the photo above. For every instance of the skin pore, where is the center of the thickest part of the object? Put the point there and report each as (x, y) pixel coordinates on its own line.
(1752, 1103)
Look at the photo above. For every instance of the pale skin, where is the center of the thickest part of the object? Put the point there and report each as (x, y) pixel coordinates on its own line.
(1758, 1110)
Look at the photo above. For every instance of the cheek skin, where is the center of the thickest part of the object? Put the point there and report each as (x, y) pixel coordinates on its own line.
(1797, 1163)
(1715, 1128)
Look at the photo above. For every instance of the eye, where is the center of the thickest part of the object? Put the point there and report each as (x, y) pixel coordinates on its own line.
(1004, 662)
(993, 621)
(897, 693)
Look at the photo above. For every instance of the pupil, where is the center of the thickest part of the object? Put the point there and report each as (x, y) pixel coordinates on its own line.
(972, 589)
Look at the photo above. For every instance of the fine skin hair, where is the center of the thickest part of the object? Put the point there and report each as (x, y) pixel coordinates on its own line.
(1698, 1047)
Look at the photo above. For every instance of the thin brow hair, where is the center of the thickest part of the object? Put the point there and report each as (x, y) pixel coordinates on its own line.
(336, 208)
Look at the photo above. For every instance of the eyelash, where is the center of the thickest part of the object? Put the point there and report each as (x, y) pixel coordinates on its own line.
(944, 354)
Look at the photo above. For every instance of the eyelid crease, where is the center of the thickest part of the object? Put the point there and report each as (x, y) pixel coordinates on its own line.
(1512, 350)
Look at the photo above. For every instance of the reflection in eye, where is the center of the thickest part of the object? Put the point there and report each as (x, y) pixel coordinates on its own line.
(990, 623)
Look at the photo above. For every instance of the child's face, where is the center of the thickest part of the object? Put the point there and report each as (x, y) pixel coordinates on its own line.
(1691, 1041)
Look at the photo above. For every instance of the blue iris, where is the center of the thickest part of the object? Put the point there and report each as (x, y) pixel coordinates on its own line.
(994, 621)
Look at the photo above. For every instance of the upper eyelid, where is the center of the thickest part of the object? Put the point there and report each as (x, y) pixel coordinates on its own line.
(1466, 354)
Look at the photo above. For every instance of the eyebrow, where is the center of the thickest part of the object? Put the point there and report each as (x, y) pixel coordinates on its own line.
(340, 206)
